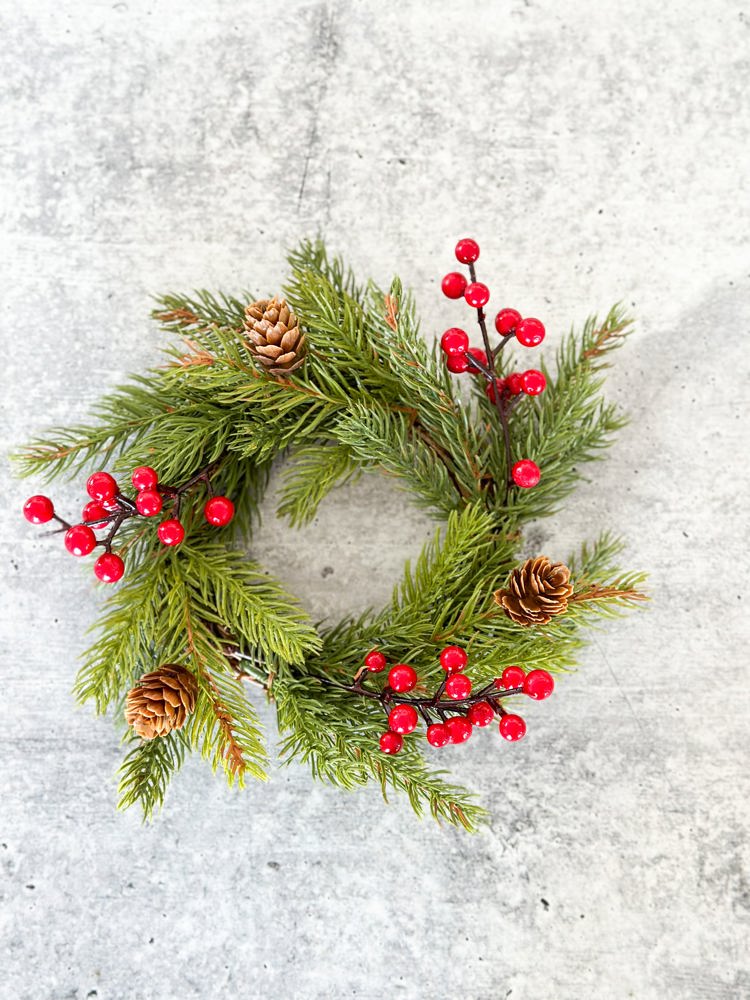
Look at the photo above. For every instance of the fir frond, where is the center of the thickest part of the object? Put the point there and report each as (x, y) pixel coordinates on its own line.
(338, 738)
(147, 770)
(233, 592)
(202, 314)
(126, 638)
(182, 442)
(224, 725)
(314, 470)
(569, 424)
(312, 256)
(123, 417)
(595, 560)
(383, 440)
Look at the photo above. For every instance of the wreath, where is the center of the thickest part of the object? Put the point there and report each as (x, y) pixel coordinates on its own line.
(335, 377)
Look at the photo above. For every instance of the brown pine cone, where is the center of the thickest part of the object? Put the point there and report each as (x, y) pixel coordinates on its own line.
(536, 592)
(161, 701)
(274, 337)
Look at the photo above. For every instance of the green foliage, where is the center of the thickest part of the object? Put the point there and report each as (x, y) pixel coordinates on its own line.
(126, 415)
(570, 423)
(371, 396)
(147, 770)
(382, 439)
(338, 737)
(314, 470)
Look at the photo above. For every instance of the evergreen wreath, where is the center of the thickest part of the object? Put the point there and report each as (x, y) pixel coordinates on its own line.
(336, 377)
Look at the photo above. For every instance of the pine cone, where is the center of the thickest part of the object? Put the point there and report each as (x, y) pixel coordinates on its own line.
(161, 701)
(274, 336)
(536, 592)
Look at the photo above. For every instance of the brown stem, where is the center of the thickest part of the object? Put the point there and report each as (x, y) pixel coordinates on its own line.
(442, 455)
(498, 397)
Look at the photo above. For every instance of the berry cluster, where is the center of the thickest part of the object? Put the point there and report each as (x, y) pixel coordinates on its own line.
(108, 509)
(460, 357)
(451, 713)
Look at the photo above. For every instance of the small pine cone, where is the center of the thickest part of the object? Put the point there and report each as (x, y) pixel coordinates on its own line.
(536, 592)
(274, 336)
(161, 701)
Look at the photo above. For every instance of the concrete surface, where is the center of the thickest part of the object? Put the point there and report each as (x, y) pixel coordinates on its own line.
(596, 151)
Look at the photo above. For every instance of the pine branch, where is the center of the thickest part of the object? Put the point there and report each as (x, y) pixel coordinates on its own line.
(125, 416)
(147, 769)
(466, 557)
(126, 638)
(312, 255)
(237, 594)
(569, 424)
(595, 560)
(315, 469)
(182, 442)
(202, 316)
(338, 737)
(224, 724)
(382, 439)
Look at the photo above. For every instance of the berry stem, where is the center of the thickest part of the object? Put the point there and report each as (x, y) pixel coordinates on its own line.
(508, 453)
(123, 515)
(490, 373)
(496, 351)
(503, 406)
(122, 501)
(483, 326)
(425, 705)
(126, 508)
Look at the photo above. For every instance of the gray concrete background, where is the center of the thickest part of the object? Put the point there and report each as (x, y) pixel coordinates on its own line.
(598, 151)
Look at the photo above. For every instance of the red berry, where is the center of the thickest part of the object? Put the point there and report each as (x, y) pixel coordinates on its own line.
(456, 363)
(526, 473)
(459, 728)
(95, 511)
(145, 478)
(402, 677)
(149, 503)
(512, 677)
(514, 383)
(512, 728)
(38, 509)
(477, 294)
(534, 382)
(438, 735)
(391, 742)
(79, 540)
(538, 685)
(219, 511)
(171, 532)
(454, 341)
(109, 567)
(480, 714)
(467, 251)
(506, 321)
(453, 659)
(478, 353)
(530, 332)
(403, 719)
(375, 661)
(491, 391)
(101, 486)
(453, 285)
(458, 687)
